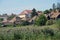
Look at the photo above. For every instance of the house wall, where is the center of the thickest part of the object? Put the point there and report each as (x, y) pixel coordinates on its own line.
(22, 16)
(4, 18)
(25, 15)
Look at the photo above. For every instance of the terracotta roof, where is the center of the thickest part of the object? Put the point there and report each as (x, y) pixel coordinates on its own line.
(54, 15)
(25, 12)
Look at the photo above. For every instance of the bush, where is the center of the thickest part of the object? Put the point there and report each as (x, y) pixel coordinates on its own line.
(41, 20)
(29, 33)
(33, 12)
(58, 23)
(46, 11)
(0, 24)
(49, 22)
(1, 19)
(24, 23)
(18, 36)
(48, 31)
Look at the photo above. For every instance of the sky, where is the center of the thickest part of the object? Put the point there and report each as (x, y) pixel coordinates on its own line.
(17, 6)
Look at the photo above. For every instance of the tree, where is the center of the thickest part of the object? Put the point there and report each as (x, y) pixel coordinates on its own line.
(33, 12)
(46, 12)
(50, 10)
(58, 6)
(41, 20)
(54, 7)
(1, 19)
(24, 23)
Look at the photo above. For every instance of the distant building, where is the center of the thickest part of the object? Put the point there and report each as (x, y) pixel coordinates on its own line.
(4, 17)
(25, 15)
(17, 20)
(54, 15)
(39, 13)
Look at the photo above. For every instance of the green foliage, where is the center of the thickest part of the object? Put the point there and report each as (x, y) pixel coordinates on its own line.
(58, 9)
(46, 12)
(49, 22)
(29, 33)
(24, 23)
(58, 6)
(54, 7)
(33, 12)
(0, 24)
(1, 19)
(41, 20)
(50, 10)
(17, 35)
(48, 31)
(58, 23)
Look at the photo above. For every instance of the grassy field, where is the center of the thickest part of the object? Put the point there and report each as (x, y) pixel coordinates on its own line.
(30, 33)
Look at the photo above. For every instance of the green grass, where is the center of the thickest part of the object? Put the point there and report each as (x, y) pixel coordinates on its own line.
(29, 33)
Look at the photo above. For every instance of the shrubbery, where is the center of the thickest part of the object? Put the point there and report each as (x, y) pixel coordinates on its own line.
(24, 23)
(0, 24)
(58, 23)
(49, 22)
(41, 20)
(1, 19)
(29, 33)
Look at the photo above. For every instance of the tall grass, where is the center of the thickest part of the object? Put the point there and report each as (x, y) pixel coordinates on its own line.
(29, 33)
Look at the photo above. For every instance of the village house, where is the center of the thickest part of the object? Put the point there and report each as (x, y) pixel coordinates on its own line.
(4, 17)
(25, 15)
(8, 19)
(39, 13)
(33, 18)
(54, 15)
(17, 20)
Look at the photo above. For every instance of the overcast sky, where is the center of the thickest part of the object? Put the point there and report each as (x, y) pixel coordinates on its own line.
(16, 6)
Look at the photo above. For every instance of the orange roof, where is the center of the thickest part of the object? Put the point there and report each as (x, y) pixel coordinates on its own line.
(25, 12)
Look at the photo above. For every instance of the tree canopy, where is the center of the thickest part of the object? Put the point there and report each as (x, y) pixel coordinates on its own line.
(41, 20)
(46, 12)
(33, 12)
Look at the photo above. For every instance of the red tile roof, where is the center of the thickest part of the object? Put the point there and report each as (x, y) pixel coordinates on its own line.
(25, 12)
